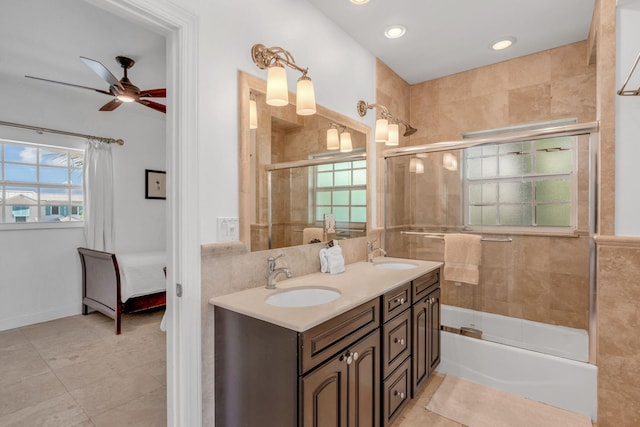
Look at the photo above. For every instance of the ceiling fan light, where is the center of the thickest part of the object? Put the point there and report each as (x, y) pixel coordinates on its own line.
(125, 98)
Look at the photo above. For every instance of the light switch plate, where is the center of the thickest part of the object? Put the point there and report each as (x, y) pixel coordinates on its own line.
(228, 229)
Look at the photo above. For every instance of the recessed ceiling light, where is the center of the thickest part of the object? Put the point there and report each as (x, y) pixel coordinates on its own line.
(395, 31)
(359, 1)
(502, 43)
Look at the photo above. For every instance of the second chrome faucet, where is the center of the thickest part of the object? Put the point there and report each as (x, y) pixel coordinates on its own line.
(273, 272)
(371, 251)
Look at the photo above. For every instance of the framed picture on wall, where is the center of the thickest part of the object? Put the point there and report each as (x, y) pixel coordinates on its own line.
(155, 184)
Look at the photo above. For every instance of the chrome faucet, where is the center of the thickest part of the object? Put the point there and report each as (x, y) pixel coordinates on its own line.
(273, 272)
(371, 251)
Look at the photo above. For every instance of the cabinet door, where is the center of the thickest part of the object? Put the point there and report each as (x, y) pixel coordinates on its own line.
(421, 351)
(434, 330)
(364, 382)
(324, 395)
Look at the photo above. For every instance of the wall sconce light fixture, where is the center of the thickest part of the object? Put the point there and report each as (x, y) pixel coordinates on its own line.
(342, 142)
(273, 58)
(387, 129)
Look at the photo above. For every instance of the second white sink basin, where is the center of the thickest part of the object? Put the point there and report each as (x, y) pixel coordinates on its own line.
(302, 297)
(395, 265)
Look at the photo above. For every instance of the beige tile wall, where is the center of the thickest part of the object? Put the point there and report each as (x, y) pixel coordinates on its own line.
(618, 331)
(536, 278)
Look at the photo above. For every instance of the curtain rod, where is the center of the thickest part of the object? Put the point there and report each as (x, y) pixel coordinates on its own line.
(62, 132)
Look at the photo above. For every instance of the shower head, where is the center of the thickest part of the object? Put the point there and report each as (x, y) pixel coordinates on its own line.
(409, 130)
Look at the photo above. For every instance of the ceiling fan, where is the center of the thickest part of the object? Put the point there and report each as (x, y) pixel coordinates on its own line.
(122, 90)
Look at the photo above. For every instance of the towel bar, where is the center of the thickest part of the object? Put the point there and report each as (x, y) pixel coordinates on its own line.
(441, 236)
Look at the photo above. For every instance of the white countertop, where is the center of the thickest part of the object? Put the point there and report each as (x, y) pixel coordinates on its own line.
(360, 283)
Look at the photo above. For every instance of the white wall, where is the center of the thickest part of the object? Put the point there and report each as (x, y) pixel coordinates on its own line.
(342, 71)
(627, 203)
(40, 270)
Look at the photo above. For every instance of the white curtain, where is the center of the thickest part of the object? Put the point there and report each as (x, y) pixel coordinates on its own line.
(98, 196)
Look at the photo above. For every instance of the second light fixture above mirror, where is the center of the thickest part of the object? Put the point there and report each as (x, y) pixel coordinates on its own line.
(387, 125)
(273, 58)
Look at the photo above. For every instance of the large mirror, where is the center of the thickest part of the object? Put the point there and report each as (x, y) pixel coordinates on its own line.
(290, 182)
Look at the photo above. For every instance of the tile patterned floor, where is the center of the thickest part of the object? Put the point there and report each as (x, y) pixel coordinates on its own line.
(76, 372)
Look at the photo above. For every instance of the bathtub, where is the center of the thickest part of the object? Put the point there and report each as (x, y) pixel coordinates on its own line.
(570, 343)
(557, 381)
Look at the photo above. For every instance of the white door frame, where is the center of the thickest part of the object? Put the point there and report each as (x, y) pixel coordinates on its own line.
(180, 27)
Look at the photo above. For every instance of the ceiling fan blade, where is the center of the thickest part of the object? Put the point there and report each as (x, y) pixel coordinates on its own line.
(70, 84)
(154, 93)
(111, 105)
(102, 71)
(154, 105)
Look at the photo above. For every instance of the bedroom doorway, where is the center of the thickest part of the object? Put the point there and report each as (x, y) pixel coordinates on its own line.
(182, 233)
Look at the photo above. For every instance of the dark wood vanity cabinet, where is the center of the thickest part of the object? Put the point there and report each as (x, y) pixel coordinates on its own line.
(271, 376)
(357, 369)
(425, 314)
(396, 352)
(345, 391)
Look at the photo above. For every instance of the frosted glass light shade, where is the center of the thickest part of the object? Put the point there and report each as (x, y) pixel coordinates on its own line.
(345, 142)
(305, 97)
(416, 166)
(277, 90)
(382, 130)
(333, 142)
(419, 166)
(449, 162)
(394, 135)
(253, 114)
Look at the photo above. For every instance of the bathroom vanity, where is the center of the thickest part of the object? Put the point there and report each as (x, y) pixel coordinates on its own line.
(354, 361)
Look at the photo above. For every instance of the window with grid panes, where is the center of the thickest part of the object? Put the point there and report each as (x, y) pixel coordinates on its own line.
(521, 184)
(341, 189)
(40, 184)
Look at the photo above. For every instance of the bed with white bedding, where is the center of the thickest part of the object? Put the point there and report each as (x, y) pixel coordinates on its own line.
(120, 284)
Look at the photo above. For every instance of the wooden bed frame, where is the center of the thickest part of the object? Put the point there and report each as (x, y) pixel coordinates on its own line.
(101, 288)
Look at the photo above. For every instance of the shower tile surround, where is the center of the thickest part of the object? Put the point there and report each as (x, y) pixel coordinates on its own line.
(535, 278)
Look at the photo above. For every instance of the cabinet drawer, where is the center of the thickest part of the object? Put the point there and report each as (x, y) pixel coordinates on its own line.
(423, 285)
(396, 301)
(396, 393)
(396, 345)
(332, 336)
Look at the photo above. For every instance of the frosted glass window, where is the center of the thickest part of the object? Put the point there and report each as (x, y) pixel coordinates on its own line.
(323, 197)
(341, 189)
(342, 178)
(341, 197)
(359, 197)
(53, 178)
(556, 215)
(360, 177)
(324, 180)
(523, 184)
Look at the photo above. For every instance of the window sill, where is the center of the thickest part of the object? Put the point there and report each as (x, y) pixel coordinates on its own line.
(41, 226)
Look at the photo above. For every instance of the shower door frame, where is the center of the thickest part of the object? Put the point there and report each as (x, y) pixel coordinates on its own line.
(590, 129)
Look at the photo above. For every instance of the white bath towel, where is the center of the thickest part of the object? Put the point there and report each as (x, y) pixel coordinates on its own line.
(331, 260)
(462, 254)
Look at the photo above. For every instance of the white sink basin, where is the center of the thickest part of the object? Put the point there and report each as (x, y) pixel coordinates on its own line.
(302, 297)
(394, 265)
